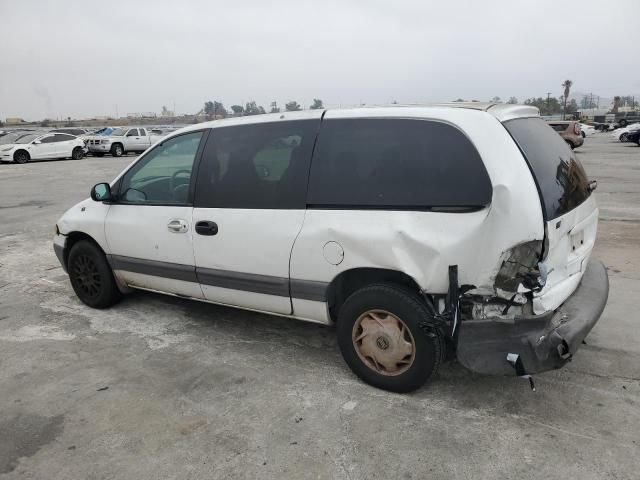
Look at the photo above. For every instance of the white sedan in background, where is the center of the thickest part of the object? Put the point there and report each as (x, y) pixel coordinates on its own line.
(621, 133)
(39, 146)
(586, 130)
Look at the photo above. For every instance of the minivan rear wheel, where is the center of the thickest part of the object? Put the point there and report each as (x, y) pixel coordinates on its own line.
(381, 339)
(91, 276)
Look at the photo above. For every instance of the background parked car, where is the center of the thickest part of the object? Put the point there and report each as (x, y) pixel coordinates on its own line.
(569, 131)
(122, 141)
(622, 133)
(71, 131)
(38, 146)
(634, 136)
(625, 118)
(587, 130)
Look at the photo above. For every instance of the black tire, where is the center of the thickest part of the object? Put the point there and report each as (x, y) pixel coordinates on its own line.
(117, 150)
(571, 145)
(98, 154)
(21, 156)
(428, 347)
(622, 123)
(91, 276)
(624, 138)
(77, 153)
(583, 134)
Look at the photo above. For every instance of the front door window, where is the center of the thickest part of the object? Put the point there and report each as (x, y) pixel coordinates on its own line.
(162, 177)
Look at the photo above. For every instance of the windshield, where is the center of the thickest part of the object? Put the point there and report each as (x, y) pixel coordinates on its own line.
(561, 179)
(27, 138)
(9, 138)
(118, 132)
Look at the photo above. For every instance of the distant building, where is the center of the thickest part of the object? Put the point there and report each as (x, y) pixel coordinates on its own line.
(14, 121)
(142, 115)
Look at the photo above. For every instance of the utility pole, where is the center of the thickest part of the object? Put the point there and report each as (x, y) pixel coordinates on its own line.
(548, 97)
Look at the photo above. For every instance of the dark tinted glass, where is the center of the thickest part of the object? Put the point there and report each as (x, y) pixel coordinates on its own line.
(257, 166)
(61, 137)
(559, 127)
(162, 176)
(50, 139)
(396, 163)
(561, 180)
(132, 133)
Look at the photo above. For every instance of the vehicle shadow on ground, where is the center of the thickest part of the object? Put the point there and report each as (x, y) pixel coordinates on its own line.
(317, 345)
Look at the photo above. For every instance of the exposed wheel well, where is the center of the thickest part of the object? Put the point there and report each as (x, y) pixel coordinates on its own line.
(347, 282)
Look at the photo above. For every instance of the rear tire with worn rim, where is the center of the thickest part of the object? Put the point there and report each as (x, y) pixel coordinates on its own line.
(21, 156)
(382, 338)
(91, 276)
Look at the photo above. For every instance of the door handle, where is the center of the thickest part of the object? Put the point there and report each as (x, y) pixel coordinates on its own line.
(206, 227)
(178, 226)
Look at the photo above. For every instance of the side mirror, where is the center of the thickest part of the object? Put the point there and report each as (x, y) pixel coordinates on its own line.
(101, 192)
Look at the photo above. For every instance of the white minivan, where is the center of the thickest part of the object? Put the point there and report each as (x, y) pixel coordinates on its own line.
(423, 232)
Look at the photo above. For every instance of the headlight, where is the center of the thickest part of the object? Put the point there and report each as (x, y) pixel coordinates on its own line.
(56, 230)
(6, 149)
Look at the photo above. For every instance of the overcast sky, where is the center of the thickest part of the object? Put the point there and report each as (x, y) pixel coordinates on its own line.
(84, 58)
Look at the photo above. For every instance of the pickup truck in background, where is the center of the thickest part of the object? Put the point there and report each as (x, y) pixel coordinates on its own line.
(122, 141)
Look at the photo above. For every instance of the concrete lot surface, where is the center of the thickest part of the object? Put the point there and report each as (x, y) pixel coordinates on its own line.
(159, 387)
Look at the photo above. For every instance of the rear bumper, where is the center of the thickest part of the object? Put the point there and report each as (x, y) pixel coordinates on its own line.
(543, 342)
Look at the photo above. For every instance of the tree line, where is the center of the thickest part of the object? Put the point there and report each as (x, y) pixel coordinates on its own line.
(215, 109)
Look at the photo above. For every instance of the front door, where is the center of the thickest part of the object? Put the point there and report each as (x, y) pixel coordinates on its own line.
(149, 229)
(45, 149)
(248, 210)
(132, 140)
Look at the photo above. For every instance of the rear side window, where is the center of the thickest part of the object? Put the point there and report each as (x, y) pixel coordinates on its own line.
(561, 180)
(396, 164)
(264, 165)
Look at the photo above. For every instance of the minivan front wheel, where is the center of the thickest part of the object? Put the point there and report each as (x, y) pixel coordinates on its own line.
(381, 339)
(91, 276)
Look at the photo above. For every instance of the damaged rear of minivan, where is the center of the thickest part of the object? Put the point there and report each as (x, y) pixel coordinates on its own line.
(550, 293)
(458, 230)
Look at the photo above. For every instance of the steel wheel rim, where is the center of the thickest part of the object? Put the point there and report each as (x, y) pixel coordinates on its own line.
(383, 342)
(86, 276)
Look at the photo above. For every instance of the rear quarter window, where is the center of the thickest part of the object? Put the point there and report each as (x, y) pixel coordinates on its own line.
(396, 164)
(561, 179)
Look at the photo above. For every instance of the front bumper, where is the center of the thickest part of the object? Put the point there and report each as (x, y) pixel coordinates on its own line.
(543, 342)
(59, 245)
(102, 148)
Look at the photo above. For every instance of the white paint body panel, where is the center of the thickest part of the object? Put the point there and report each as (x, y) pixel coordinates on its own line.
(571, 239)
(86, 217)
(140, 231)
(248, 241)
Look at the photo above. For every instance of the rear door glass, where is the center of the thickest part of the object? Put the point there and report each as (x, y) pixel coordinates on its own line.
(396, 164)
(561, 179)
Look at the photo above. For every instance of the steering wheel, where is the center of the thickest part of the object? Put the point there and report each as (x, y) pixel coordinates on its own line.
(174, 177)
